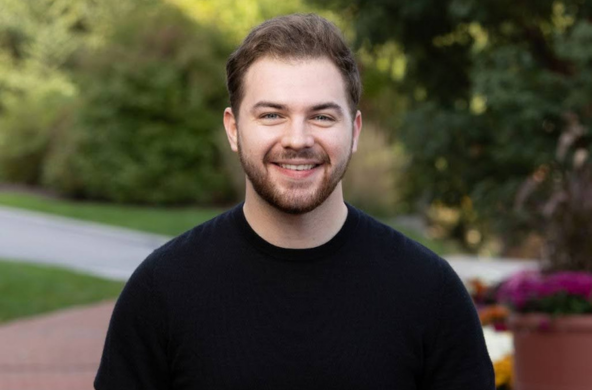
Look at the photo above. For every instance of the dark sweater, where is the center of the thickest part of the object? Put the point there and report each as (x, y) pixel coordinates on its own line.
(220, 308)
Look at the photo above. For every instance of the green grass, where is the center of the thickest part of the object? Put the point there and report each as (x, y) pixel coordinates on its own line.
(160, 220)
(27, 289)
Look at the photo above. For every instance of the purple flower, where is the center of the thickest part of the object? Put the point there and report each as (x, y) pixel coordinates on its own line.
(528, 286)
(520, 288)
(573, 283)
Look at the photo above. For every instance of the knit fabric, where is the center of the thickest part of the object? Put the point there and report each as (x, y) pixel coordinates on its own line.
(220, 308)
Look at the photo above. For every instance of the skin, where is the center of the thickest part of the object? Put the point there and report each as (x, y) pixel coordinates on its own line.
(294, 112)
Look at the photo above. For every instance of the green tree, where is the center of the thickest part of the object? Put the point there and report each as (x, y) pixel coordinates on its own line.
(150, 103)
(38, 40)
(489, 86)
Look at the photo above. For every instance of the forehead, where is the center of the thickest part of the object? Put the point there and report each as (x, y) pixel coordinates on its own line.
(295, 83)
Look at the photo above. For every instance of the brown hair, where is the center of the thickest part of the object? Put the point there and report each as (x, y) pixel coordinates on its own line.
(294, 36)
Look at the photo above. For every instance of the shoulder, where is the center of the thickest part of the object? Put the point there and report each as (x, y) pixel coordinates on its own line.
(402, 263)
(390, 245)
(202, 242)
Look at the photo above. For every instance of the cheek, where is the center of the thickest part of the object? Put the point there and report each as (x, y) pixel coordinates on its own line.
(255, 144)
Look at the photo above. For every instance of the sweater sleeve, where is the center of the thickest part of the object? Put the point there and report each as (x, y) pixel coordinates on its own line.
(134, 356)
(455, 353)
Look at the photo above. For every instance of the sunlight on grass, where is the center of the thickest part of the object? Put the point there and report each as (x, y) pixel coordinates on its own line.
(160, 220)
(27, 289)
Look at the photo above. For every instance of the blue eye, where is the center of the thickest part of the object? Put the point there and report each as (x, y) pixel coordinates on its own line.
(271, 115)
(323, 118)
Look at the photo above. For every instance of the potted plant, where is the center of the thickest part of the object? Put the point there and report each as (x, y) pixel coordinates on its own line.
(552, 308)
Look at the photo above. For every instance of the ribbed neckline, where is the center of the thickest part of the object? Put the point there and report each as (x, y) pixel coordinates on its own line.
(297, 255)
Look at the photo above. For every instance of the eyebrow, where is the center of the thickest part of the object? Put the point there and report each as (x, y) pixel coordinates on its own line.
(265, 104)
(328, 105)
(316, 107)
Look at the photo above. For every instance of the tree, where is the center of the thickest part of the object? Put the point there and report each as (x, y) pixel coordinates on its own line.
(489, 86)
(37, 42)
(145, 125)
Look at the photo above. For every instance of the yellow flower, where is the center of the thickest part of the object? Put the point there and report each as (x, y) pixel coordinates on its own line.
(504, 371)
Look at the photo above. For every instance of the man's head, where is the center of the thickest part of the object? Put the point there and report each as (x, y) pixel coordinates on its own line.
(294, 121)
(293, 37)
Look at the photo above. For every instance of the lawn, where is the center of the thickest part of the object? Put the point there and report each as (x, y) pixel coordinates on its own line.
(161, 220)
(27, 289)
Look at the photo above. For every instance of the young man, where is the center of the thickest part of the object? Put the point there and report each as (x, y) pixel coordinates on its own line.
(294, 289)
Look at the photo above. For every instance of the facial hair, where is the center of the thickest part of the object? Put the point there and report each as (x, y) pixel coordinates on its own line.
(289, 199)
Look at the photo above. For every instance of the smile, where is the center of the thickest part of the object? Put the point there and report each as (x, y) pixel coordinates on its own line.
(297, 167)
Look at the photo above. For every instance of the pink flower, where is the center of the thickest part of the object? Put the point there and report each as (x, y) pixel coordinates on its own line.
(528, 286)
(574, 283)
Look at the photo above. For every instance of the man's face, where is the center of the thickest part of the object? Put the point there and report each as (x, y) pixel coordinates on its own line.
(294, 134)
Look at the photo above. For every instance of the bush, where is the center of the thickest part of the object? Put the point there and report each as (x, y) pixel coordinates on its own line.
(26, 128)
(374, 177)
(151, 102)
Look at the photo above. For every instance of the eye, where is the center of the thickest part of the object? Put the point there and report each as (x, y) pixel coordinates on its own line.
(270, 116)
(323, 118)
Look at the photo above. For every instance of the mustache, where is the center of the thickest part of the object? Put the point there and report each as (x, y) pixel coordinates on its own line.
(290, 154)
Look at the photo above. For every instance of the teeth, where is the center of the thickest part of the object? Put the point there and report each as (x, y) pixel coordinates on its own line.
(297, 167)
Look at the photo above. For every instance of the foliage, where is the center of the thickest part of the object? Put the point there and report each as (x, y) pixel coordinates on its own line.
(27, 289)
(488, 86)
(151, 100)
(236, 19)
(557, 293)
(375, 173)
(81, 81)
(27, 126)
(35, 42)
(558, 196)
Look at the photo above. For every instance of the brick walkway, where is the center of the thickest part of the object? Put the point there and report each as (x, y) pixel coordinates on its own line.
(59, 351)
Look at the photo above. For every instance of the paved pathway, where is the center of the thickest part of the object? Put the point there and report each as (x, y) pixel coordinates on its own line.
(61, 351)
(94, 248)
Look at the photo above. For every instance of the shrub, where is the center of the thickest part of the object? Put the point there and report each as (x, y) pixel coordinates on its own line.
(375, 173)
(26, 128)
(151, 102)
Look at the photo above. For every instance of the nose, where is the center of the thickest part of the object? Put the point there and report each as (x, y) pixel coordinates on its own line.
(297, 135)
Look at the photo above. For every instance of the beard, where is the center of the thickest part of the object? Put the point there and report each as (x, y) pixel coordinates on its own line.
(294, 197)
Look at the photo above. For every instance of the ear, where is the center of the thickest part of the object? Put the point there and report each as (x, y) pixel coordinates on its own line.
(357, 130)
(231, 128)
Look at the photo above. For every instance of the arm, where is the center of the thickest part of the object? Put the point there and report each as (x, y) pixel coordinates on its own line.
(135, 355)
(456, 356)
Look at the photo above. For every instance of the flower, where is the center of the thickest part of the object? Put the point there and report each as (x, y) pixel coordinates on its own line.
(493, 315)
(504, 372)
(567, 292)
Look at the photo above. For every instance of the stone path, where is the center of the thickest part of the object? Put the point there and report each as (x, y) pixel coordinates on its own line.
(60, 351)
(85, 246)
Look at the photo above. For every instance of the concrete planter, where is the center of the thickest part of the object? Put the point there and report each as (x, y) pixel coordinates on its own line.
(552, 354)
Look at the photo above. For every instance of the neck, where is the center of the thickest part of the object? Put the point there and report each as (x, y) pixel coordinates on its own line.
(302, 231)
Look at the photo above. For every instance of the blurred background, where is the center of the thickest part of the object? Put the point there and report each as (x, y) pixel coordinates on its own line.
(477, 121)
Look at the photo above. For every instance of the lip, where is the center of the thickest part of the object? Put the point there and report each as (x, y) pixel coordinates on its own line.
(297, 174)
(298, 162)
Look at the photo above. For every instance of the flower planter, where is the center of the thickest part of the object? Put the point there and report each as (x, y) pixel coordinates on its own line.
(552, 354)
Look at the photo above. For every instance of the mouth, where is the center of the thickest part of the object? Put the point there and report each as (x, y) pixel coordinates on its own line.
(298, 167)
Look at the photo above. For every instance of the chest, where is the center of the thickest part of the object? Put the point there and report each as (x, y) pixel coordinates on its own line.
(295, 334)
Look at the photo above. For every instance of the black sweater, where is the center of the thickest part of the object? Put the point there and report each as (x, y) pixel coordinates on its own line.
(220, 308)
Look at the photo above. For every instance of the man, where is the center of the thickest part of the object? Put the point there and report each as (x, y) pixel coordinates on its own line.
(294, 289)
